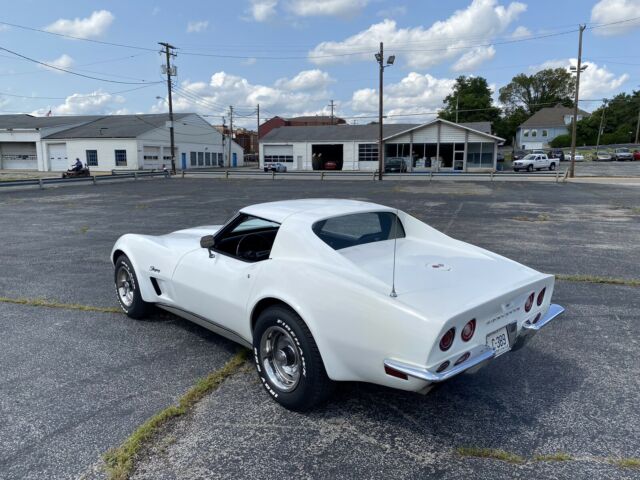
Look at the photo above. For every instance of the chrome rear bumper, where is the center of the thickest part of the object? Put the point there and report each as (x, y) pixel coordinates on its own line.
(480, 355)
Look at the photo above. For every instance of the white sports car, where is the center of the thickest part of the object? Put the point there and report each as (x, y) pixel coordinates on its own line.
(338, 290)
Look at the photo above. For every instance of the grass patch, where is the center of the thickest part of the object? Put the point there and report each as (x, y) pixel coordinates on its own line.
(84, 229)
(120, 461)
(553, 457)
(626, 462)
(603, 280)
(493, 453)
(141, 206)
(543, 217)
(41, 302)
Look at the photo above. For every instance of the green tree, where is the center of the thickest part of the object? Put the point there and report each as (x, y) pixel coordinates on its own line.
(474, 101)
(545, 88)
(509, 122)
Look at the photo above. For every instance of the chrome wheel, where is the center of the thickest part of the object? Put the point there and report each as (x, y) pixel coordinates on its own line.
(280, 358)
(125, 286)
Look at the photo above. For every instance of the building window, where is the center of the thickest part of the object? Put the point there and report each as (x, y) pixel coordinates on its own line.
(167, 157)
(121, 158)
(207, 159)
(278, 158)
(201, 159)
(368, 152)
(480, 155)
(92, 158)
(534, 133)
(220, 160)
(194, 161)
(525, 133)
(545, 133)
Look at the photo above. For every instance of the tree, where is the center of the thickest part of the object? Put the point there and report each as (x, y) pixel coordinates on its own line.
(543, 89)
(474, 101)
(507, 125)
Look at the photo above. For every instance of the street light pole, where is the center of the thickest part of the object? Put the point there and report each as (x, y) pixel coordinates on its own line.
(572, 168)
(380, 59)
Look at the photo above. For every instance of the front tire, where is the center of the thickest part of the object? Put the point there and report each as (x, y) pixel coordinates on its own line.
(530, 168)
(128, 290)
(552, 167)
(288, 360)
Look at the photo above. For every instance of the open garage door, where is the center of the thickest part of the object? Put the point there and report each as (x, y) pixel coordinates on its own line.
(58, 161)
(279, 153)
(152, 158)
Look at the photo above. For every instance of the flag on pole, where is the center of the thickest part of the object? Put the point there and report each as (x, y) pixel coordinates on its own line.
(49, 113)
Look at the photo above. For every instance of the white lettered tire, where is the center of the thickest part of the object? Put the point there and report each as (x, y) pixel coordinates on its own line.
(128, 289)
(288, 361)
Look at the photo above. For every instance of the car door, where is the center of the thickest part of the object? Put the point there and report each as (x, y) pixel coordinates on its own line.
(217, 285)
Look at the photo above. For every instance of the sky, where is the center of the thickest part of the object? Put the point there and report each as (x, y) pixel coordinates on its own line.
(294, 56)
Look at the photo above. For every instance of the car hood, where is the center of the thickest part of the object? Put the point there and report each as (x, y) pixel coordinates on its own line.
(440, 278)
(183, 241)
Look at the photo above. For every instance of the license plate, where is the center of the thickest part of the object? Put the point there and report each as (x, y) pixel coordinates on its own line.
(499, 341)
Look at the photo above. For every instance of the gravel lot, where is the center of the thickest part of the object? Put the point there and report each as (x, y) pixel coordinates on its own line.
(76, 383)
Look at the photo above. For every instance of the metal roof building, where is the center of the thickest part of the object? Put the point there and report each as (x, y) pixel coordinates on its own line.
(112, 142)
(438, 145)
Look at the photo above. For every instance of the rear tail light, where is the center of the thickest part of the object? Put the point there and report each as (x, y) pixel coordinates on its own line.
(535, 320)
(443, 366)
(447, 339)
(465, 356)
(529, 304)
(468, 330)
(541, 296)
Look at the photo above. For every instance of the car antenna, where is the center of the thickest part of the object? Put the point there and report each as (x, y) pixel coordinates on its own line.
(393, 293)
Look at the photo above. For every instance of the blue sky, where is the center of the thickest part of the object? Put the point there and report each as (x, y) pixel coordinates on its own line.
(317, 51)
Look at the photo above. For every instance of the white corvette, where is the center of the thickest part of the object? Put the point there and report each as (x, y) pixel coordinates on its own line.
(338, 290)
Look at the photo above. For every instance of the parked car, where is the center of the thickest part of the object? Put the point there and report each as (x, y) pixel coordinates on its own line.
(579, 157)
(275, 167)
(307, 286)
(557, 153)
(636, 155)
(395, 165)
(622, 154)
(330, 165)
(602, 157)
(535, 161)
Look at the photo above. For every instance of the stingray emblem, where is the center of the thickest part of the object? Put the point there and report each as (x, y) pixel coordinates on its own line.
(440, 266)
(154, 269)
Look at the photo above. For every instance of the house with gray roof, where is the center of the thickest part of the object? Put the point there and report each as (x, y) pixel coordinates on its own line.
(438, 145)
(113, 142)
(545, 125)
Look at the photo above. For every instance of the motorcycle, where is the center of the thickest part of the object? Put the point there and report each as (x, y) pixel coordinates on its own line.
(83, 172)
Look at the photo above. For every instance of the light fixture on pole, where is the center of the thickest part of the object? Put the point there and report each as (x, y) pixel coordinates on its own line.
(380, 59)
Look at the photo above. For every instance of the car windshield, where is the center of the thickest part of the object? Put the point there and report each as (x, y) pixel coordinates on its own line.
(623, 150)
(531, 156)
(358, 229)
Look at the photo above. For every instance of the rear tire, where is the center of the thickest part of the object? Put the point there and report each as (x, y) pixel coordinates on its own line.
(128, 290)
(530, 168)
(552, 167)
(288, 360)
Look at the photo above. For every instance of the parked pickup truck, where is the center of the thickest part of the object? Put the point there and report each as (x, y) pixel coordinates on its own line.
(536, 161)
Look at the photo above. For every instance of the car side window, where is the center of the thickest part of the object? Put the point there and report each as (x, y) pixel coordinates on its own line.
(247, 238)
(358, 229)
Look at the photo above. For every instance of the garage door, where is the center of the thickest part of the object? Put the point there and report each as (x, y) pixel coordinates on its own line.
(278, 153)
(58, 160)
(19, 156)
(152, 158)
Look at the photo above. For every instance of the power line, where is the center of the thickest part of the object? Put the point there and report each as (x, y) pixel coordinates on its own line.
(71, 72)
(89, 95)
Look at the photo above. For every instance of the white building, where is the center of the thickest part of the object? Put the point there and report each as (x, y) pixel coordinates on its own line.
(112, 142)
(438, 145)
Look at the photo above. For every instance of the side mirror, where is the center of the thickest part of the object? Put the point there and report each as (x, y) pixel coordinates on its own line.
(208, 242)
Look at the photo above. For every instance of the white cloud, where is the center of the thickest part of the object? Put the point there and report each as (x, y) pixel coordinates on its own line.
(341, 8)
(306, 80)
(444, 40)
(521, 32)
(595, 82)
(263, 10)
(63, 61)
(304, 93)
(91, 27)
(608, 11)
(98, 102)
(474, 58)
(197, 26)
(415, 93)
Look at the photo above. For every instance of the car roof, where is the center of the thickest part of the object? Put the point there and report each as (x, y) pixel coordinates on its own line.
(313, 208)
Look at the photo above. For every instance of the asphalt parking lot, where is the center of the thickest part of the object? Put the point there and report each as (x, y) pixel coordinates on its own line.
(76, 382)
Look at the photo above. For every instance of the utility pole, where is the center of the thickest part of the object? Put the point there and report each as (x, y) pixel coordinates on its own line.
(572, 168)
(380, 59)
(331, 105)
(170, 72)
(230, 132)
(604, 111)
(457, 100)
(224, 127)
(638, 124)
(258, 135)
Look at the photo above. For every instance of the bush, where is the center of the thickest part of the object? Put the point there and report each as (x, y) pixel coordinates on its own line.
(561, 141)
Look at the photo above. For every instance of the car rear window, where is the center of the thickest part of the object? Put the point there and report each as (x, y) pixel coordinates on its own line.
(358, 229)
